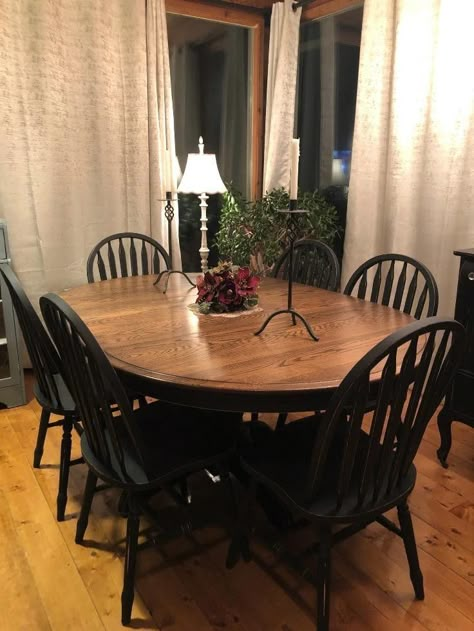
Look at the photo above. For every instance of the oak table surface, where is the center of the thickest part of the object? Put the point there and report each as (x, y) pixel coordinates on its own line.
(162, 348)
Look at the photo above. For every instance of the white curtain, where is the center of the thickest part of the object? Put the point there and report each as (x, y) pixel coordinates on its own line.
(74, 120)
(281, 94)
(161, 126)
(412, 184)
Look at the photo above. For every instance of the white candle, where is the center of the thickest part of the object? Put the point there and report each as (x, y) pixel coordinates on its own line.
(295, 156)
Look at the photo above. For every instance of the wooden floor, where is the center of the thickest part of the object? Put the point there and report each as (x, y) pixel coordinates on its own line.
(49, 582)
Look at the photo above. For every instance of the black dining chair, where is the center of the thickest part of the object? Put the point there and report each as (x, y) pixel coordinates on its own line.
(314, 263)
(139, 451)
(49, 389)
(126, 254)
(396, 281)
(347, 469)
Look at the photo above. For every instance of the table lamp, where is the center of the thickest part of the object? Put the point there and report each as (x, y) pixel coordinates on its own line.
(201, 177)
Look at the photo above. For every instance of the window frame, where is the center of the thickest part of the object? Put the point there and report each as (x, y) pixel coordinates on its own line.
(324, 8)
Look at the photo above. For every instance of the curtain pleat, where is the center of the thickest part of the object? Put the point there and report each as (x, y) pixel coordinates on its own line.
(162, 147)
(79, 120)
(281, 94)
(411, 188)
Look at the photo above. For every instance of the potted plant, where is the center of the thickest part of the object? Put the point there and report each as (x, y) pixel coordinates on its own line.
(255, 232)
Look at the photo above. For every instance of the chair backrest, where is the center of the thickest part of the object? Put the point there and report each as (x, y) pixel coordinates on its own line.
(94, 386)
(126, 254)
(397, 281)
(415, 366)
(314, 263)
(43, 355)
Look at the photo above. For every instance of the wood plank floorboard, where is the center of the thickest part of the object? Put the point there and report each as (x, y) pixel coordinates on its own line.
(50, 583)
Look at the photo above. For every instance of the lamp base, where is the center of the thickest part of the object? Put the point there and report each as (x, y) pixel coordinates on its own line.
(204, 250)
(204, 255)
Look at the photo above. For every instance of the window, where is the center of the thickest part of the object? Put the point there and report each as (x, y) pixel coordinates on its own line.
(327, 89)
(216, 75)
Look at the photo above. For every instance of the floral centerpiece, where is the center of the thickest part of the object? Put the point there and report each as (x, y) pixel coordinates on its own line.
(227, 288)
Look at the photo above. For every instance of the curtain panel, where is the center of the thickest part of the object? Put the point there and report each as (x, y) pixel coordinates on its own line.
(281, 94)
(161, 136)
(75, 158)
(412, 176)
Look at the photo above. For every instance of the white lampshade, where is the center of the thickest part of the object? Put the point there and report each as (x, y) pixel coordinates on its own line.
(201, 174)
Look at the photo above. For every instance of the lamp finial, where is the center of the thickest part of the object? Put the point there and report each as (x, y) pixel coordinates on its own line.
(201, 145)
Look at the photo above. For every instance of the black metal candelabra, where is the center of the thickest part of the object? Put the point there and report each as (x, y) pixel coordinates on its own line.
(292, 228)
(169, 215)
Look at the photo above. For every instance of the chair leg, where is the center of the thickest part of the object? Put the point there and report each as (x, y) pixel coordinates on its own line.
(133, 522)
(141, 401)
(323, 580)
(408, 535)
(281, 420)
(43, 428)
(64, 467)
(122, 506)
(185, 490)
(83, 520)
(444, 427)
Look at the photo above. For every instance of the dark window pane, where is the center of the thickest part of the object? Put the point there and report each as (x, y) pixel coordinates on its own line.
(327, 89)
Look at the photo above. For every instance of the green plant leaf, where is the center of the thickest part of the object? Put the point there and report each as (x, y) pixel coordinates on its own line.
(254, 233)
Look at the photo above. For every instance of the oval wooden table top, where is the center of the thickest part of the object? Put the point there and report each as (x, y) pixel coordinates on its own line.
(162, 348)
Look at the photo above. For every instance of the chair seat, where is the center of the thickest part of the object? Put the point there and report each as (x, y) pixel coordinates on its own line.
(282, 463)
(175, 440)
(65, 405)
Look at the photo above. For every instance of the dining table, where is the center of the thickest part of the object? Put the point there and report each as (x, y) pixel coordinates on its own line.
(162, 348)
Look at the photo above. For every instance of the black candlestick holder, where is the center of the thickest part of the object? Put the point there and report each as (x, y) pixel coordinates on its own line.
(169, 215)
(292, 229)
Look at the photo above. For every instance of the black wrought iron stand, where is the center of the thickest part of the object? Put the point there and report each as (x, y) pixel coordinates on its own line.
(292, 226)
(169, 214)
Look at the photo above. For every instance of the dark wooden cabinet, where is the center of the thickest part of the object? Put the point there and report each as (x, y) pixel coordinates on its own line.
(459, 405)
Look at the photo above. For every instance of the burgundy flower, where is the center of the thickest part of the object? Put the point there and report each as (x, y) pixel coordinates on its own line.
(246, 282)
(226, 288)
(207, 286)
